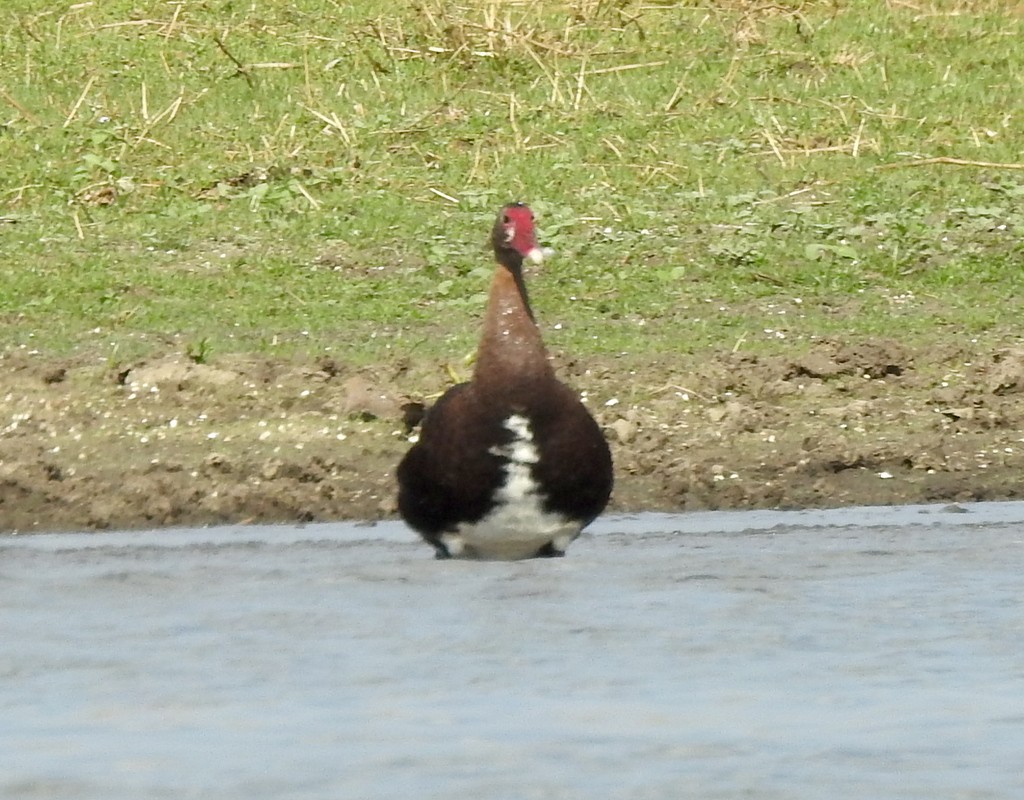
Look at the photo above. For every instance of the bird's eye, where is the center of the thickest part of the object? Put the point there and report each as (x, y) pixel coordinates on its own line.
(505, 220)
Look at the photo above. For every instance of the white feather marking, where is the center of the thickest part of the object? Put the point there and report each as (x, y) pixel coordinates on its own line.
(454, 544)
(518, 526)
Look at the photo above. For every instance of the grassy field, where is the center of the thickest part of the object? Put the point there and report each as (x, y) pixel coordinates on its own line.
(306, 176)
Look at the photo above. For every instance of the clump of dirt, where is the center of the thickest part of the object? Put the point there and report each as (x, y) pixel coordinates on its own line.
(247, 439)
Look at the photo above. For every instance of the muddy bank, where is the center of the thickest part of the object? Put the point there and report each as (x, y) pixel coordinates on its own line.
(251, 439)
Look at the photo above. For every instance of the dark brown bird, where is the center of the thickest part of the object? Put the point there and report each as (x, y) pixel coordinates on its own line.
(510, 465)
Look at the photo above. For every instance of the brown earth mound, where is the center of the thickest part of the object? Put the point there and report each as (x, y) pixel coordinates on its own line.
(172, 442)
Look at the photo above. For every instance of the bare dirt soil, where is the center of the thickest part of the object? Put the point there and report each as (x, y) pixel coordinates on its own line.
(170, 442)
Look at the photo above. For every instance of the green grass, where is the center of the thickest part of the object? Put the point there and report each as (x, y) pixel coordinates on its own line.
(296, 176)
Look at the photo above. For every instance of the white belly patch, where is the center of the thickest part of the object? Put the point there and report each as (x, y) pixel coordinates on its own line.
(517, 526)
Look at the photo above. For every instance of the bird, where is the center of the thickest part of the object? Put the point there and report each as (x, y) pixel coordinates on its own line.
(509, 465)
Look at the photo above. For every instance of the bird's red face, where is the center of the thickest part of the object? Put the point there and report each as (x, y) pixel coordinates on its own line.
(514, 231)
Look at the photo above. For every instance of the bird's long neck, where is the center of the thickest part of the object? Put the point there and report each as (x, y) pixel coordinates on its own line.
(511, 356)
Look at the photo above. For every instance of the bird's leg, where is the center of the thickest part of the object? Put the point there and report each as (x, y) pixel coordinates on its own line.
(549, 551)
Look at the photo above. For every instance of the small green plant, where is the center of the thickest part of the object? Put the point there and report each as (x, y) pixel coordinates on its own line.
(199, 352)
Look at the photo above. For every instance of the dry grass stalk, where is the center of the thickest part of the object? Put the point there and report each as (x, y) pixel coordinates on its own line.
(131, 23)
(169, 29)
(442, 195)
(242, 69)
(168, 115)
(626, 67)
(581, 84)
(78, 225)
(857, 139)
(955, 162)
(81, 99)
(332, 122)
(313, 202)
(773, 145)
(28, 115)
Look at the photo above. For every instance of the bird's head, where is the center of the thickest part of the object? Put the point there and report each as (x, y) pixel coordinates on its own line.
(514, 238)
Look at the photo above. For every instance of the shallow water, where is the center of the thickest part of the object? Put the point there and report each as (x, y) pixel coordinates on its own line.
(858, 653)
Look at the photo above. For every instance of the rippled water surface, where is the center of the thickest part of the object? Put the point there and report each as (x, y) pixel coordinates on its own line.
(864, 653)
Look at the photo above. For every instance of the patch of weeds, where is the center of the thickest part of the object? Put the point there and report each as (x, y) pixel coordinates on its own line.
(198, 352)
